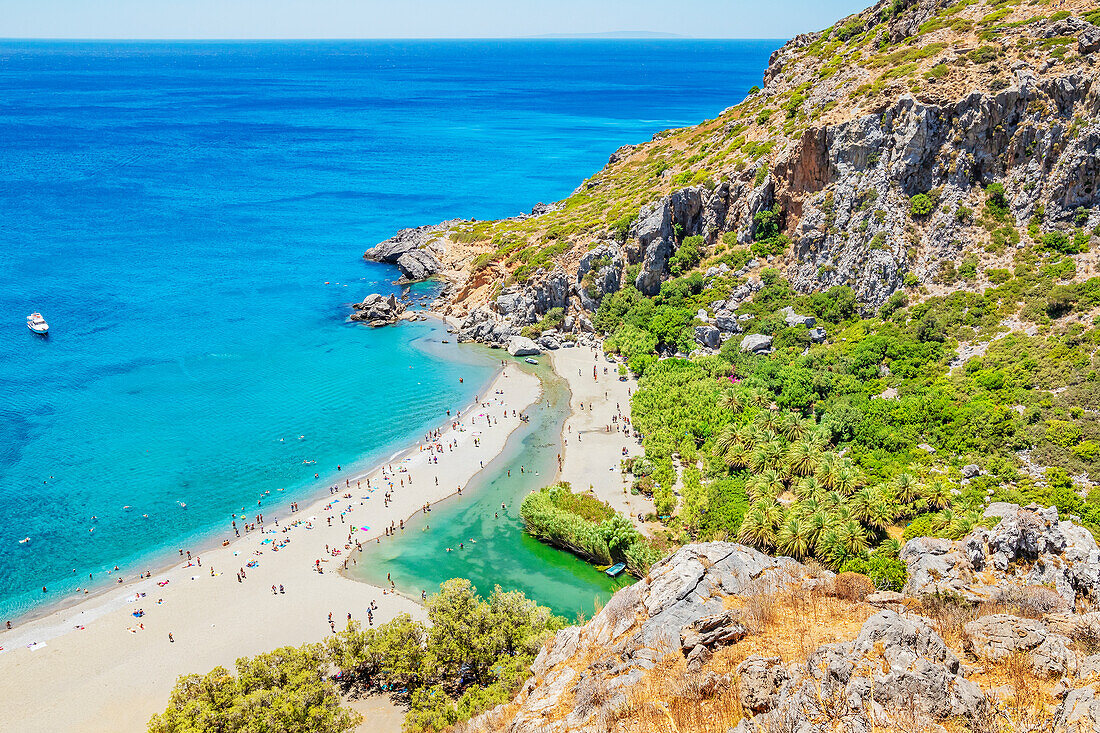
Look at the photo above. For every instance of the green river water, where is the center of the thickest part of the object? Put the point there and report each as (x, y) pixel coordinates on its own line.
(496, 549)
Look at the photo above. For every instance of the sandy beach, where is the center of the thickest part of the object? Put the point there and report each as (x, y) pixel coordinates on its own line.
(96, 666)
(593, 454)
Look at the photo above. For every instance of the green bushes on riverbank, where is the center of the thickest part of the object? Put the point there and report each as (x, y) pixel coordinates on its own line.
(587, 527)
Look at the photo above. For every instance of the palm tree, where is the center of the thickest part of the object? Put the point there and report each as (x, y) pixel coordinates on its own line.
(808, 488)
(889, 547)
(769, 420)
(727, 438)
(938, 494)
(795, 428)
(767, 484)
(829, 547)
(738, 457)
(793, 538)
(768, 456)
(828, 471)
(758, 525)
(731, 400)
(962, 525)
(759, 398)
(943, 520)
(882, 511)
(816, 525)
(802, 458)
(861, 504)
(853, 538)
(907, 488)
(848, 479)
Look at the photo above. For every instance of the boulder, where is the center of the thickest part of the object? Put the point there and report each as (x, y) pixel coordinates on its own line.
(1000, 635)
(549, 343)
(793, 319)
(971, 470)
(522, 346)
(1080, 711)
(726, 322)
(708, 336)
(759, 680)
(756, 343)
(378, 310)
(418, 264)
(817, 335)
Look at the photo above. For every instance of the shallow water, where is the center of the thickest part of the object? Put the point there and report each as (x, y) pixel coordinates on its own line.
(495, 550)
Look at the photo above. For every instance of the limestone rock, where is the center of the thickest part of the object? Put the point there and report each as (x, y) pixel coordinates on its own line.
(999, 635)
(378, 310)
(708, 336)
(759, 680)
(522, 346)
(756, 343)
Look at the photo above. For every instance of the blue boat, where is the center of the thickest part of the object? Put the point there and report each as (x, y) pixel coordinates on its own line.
(616, 569)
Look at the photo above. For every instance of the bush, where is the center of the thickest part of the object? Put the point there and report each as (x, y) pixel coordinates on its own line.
(852, 586)
(921, 205)
(983, 54)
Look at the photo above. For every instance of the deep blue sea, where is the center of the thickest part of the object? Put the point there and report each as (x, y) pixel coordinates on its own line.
(189, 218)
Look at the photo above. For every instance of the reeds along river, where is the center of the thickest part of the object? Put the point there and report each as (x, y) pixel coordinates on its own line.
(189, 217)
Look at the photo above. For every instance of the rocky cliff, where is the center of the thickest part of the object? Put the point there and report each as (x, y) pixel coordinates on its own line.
(873, 144)
(719, 636)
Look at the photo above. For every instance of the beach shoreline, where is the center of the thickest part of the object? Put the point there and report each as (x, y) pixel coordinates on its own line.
(95, 632)
(209, 539)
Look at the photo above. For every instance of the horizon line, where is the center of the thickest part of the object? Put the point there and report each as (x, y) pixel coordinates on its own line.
(541, 37)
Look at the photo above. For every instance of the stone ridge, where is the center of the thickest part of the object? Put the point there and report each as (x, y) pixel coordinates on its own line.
(905, 98)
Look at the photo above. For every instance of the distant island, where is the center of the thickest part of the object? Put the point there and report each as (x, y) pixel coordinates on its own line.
(613, 34)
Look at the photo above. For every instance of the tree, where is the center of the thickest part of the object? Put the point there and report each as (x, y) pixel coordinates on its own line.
(803, 459)
(285, 690)
(793, 538)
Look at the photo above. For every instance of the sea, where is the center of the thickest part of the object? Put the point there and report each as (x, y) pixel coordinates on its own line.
(190, 218)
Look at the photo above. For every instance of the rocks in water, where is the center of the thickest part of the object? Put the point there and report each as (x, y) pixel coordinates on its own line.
(378, 310)
(522, 346)
(1029, 547)
(483, 326)
(756, 343)
(708, 336)
(410, 250)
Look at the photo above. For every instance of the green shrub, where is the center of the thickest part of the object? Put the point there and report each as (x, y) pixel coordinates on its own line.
(921, 205)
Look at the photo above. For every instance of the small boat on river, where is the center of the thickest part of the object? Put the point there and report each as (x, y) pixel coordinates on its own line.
(529, 360)
(616, 570)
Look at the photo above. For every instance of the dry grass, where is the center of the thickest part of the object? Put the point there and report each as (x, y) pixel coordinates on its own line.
(789, 624)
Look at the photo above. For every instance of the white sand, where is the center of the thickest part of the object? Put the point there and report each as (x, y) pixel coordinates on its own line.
(105, 678)
(593, 456)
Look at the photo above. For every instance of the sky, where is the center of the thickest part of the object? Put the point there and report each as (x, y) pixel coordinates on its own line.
(205, 19)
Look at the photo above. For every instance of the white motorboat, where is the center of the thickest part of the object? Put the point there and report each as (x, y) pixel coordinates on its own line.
(37, 323)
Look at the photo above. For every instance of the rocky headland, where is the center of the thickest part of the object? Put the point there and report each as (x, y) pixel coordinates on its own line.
(721, 633)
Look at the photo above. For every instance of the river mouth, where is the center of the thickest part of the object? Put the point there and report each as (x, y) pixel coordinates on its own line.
(470, 536)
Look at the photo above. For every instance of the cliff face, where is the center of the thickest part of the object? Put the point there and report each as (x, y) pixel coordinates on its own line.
(930, 98)
(719, 636)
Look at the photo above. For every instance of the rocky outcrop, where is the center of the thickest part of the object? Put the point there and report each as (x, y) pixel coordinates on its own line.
(378, 310)
(895, 665)
(1029, 548)
(411, 250)
(677, 605)
(661, 225)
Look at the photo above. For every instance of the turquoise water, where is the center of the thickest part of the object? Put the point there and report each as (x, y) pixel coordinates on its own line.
(189, 219)
(494, 548)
